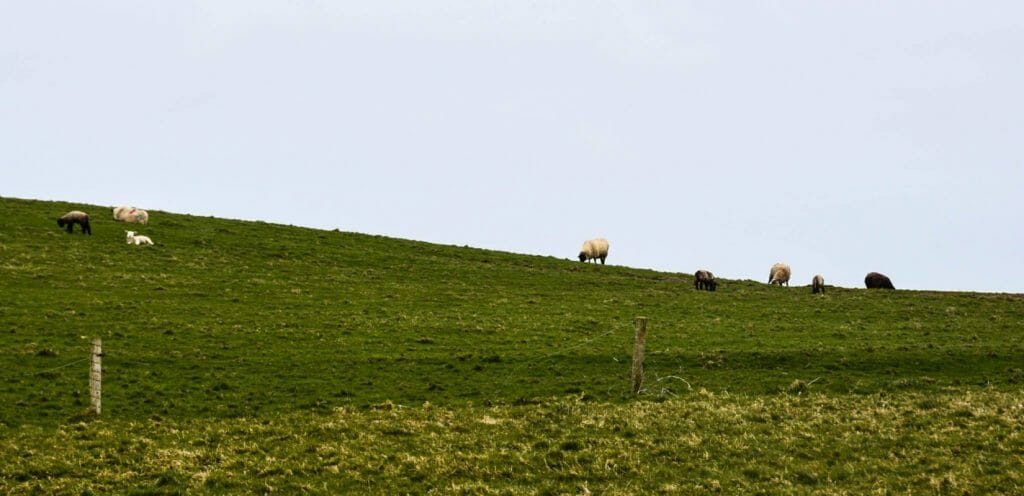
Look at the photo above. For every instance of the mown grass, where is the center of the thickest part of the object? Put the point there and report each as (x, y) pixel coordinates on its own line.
(230, 345)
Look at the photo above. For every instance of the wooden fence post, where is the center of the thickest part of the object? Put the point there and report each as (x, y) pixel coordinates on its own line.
(640, 342)
(95, 375)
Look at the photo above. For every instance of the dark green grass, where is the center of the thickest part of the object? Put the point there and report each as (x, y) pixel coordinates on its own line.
(226, 318)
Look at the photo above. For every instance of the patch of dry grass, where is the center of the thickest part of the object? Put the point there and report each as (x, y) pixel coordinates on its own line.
(959, 442)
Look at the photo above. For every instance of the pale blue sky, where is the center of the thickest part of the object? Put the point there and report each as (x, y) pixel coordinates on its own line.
(839, 137)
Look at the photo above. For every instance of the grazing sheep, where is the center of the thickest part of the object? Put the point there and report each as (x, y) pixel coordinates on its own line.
(779, 274)
(75, 217)
(594, 249)
(874, 280)
(134, 239)
(132, 215)
(818, 284)
(703, 279)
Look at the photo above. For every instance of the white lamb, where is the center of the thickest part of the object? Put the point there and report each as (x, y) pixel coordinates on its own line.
(134, 239)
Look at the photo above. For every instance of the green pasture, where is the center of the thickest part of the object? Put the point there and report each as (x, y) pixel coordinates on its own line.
(244, 357)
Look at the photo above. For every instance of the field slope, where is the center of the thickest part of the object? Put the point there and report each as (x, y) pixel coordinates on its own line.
(251, 357)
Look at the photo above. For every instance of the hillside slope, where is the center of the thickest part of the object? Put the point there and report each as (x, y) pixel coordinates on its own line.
(227, 318)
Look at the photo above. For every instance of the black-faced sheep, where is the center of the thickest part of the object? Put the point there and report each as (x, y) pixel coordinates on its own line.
(818, 284)
(874, 280)
(132, 215)
(594, 249)
(703, 279)
(779, 274)
(135, 239)
(75, 217)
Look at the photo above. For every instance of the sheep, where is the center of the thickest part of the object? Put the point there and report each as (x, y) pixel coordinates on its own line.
(131, 214)
(134, 239)
(779, 274)
(594, 249)
(119, 212)
(818, 284)
(703, 279)
(75, 217)
(874, 280)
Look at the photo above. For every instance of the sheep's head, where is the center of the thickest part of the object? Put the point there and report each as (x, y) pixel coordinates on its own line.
(583, 256)
(129, 234)
(60, 222)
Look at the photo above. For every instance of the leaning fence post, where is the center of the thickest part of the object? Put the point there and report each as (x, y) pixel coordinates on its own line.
(640, 342)
(95, 375)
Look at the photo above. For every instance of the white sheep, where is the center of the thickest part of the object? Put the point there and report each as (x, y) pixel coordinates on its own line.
(779, 274)
(594, 249)
(131, 214)
(134, 239)
(818, 284)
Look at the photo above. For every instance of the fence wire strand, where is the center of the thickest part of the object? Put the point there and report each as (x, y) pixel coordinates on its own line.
(58, 367)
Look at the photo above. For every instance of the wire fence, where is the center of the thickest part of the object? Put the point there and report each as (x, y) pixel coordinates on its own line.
(615, 376)
(41, 372)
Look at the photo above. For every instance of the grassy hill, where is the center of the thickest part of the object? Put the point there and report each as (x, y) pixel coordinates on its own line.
(246, 356)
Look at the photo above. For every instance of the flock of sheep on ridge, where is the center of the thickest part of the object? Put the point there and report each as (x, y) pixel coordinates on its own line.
(124, 214)
(597, 249)
(592, 250)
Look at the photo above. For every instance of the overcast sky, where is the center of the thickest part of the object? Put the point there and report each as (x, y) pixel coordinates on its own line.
(839, 137)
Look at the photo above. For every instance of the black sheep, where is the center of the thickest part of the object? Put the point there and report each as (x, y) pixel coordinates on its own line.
(874, 280)
(75, 217)
(703, 279)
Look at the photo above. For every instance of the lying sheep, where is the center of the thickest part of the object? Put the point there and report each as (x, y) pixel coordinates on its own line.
(594, 249)
(818, 284)
(779, 274)
(132, 215)
(703, 279)
(75, 217)
(135, 239)
(874, 280)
